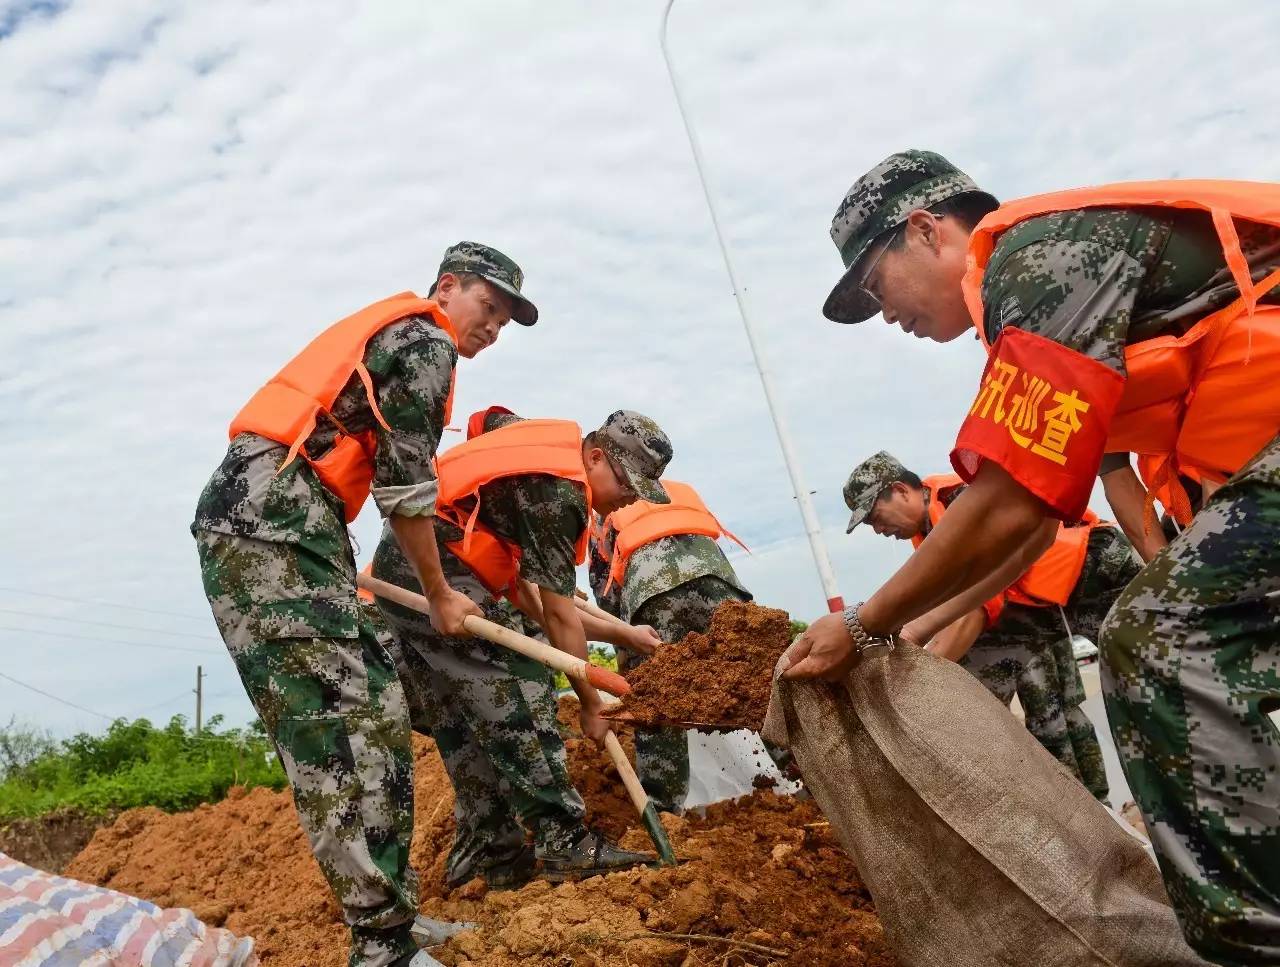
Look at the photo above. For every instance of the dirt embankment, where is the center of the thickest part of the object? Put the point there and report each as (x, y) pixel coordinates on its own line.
(763, 880)
(51, 842)
(762, 871)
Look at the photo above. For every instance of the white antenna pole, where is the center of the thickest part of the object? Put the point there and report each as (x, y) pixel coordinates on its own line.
(811, 527)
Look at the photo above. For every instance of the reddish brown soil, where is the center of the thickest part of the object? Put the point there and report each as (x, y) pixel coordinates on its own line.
(754, 873)
(609, 808)
(722, 677)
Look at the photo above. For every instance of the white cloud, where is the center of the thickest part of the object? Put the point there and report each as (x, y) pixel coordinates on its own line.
(191, 192)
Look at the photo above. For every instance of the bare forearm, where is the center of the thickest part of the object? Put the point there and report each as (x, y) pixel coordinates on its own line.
(595, 629)
(954, 642)
(1128, 500)
(927, 626)
(417, 538)
(992, 520)
(564, 628)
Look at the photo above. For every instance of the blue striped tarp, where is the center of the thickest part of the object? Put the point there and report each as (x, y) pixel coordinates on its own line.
(51, 921)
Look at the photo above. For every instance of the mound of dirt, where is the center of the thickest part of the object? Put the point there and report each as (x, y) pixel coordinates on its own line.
(722, 677)
(762, 871)
(244, 864)
(764, 882)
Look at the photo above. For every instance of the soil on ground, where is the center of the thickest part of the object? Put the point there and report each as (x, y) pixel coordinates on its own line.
(50, 842)
(722, 677)
(763, 882)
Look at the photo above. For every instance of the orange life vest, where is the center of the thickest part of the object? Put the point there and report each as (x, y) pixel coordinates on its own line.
(643, 523)
(287, 408)
(551, 447)
(1052, 578)
(476, 422)
(1200, 404)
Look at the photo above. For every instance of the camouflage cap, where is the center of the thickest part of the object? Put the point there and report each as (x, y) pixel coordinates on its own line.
(495, 268)
(638, 445)
(878, 202)
(867, 482)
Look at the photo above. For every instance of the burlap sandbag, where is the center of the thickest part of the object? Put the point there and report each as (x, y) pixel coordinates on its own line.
(977, 846)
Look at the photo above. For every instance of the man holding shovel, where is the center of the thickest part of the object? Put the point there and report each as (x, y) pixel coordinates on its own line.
(512, 525)
(1133, 318)
(1019, 639)
(659, 565)
(359, 411)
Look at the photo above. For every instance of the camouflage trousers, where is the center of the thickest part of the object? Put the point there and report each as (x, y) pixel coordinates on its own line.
(1028, 653)
(662, 755)
(1191, 669)
(492, 713)
(328, 695)
(1026, 656)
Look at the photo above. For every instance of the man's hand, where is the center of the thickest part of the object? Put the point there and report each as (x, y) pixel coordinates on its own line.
(912, 634)
(823, 650)
(593, 726)
(643, 640)
(449, 608)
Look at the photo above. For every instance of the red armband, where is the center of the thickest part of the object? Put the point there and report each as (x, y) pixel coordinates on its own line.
(1042, 413)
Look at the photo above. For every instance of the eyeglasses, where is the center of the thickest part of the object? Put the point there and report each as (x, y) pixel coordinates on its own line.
(864, 285)
(620, 477)
(875, 504)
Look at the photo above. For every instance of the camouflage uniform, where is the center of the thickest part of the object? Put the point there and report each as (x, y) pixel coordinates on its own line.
(674, 585)
(1027, 651)
(494, 710)
(1190, 650)
(279, 574)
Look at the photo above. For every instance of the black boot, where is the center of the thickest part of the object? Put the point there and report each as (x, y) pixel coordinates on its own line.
(584, 853)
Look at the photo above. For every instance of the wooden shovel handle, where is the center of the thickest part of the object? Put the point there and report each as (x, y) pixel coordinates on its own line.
(635, 790)
(579, 599)
(553, 658)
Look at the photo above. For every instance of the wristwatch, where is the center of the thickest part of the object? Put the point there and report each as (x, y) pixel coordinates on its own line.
(865, 643)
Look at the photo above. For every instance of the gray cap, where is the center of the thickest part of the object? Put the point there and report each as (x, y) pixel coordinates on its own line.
(879, 202)
(640, 448)
(495, 268)
(867, 482)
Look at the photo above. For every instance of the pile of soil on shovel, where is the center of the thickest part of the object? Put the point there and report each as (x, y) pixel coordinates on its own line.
(763, 871)
(722, 677)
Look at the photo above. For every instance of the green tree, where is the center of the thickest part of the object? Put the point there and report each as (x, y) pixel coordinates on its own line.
(132, 763)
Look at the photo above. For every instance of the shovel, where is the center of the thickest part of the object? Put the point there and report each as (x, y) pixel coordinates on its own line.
(557, 660)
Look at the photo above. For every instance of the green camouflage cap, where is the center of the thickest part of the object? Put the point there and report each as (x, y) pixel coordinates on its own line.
(867, 482)
(638, 445)
(879, 202)
(495, 268)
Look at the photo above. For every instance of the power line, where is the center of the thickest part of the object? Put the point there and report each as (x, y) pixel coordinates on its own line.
(103, 604)
(41, 691)
(111, 641)
(106, 624)
(168, 701)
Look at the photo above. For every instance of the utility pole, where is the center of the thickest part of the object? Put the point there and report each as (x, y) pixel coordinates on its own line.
(199, 695)
(809, 516)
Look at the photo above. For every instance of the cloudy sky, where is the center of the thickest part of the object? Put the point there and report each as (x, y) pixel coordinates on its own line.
(189, 192)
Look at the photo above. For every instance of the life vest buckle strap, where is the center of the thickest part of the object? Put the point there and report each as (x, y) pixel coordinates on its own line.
(368, 389)
(298, 445)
